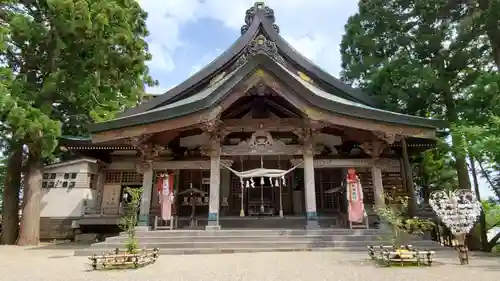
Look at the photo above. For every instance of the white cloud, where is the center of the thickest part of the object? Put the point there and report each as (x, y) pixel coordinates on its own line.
(313, 27)
(156, 90)
(162, 59)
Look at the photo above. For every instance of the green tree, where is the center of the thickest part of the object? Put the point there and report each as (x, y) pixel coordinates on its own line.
(73, 61)
(434, 171)
(419, 57)
(492, 217)
(3, 172)
(11, 184)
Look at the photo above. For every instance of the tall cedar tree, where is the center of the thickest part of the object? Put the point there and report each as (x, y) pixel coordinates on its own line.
(72, 62)
(417, 57)
(434, 58)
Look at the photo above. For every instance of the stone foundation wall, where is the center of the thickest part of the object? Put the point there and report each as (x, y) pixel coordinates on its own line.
(56, 228)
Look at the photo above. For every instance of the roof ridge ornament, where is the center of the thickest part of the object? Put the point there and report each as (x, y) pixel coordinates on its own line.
(260, 45)
(267, 12)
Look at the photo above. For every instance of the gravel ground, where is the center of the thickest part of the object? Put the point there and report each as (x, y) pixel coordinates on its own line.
(25, 264)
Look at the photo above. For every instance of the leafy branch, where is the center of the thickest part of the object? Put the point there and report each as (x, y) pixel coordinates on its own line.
(395, 214)
(129, 219)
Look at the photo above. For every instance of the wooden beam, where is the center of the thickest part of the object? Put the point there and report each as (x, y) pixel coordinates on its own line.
(252, 125)
(280, 107)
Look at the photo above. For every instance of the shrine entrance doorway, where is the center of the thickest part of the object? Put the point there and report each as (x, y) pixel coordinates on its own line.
(263, 200)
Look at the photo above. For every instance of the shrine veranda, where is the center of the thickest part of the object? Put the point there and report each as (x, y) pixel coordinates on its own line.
(260, 104)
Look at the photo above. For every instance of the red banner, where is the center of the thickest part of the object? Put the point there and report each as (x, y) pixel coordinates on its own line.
(165, 188)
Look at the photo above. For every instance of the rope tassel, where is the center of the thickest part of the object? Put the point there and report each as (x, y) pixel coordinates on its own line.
(262, 181)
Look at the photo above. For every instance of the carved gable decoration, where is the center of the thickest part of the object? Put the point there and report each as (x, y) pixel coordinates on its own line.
(260, 45)
(261, 143)
(250, 15)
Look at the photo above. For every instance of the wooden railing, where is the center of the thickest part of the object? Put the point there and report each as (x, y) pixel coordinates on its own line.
(96, 210)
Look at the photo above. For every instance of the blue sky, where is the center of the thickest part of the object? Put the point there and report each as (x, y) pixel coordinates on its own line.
(185, 35)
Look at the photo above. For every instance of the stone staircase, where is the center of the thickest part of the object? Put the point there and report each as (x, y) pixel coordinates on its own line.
(254, 240)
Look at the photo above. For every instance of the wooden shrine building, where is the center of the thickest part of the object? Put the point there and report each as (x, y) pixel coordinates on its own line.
(259, 104)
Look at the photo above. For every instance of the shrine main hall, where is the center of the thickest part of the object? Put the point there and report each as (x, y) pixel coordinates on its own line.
(260, 104)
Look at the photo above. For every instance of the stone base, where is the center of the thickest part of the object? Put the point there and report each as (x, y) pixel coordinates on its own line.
(212, 225)
(312, 224)
(142, 228)
(59, 228)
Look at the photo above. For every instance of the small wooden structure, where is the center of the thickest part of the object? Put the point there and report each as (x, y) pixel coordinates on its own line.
(193, 194)
(169, 224)
(405, 255)
(124, 260)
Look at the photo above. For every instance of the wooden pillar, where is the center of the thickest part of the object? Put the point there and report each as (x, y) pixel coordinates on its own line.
(310, 185)
(375, 149)
(213, 207)
(215, 133)
(378, 187)
(408, 176)
(101, 179)
(147, 190)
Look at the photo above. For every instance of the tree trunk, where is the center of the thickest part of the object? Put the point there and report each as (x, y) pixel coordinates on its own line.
(482, 218)
(457, 140)
(12, 185)
(492, 29)
(29, 232)
(408, 176)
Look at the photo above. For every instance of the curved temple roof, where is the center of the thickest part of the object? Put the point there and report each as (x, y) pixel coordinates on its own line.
(259, 46)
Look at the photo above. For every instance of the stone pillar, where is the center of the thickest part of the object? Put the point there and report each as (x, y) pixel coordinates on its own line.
(310, 188)
(147, 190)
(378, 187)
(213, 207)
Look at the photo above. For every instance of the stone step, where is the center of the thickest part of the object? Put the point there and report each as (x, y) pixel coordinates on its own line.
(194, 251)
(256, 244)
(259, 232)
(257, 238)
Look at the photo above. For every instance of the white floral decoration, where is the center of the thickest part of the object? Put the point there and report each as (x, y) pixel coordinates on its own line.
(458, 210)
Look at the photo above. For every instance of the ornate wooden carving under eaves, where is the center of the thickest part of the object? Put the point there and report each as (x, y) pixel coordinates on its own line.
(214, 129)
(261, 143)
(389, 138)
(149, 151)
(260, 45)
(265, 10)
(373, 148)
(137, 141)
